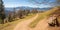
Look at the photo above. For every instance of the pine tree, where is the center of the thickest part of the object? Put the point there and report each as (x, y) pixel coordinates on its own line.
(2, 12)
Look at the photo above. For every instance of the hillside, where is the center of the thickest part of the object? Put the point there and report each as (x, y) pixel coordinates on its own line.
(11, 25)
(42, 16)
(39, 23)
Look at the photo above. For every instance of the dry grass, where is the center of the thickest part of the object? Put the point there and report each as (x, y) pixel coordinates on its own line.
(11, 25)
(40, 17)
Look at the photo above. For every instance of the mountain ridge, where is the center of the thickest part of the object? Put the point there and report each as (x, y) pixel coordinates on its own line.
(25, 8)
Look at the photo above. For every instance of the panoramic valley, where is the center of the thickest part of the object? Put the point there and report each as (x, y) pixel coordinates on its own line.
(29, 14)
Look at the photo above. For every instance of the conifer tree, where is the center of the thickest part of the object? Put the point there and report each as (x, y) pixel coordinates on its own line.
(2, 12)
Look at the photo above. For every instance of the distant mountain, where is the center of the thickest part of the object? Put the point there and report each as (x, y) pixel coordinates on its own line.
(44, 8)
(24, 8)
(7, 10)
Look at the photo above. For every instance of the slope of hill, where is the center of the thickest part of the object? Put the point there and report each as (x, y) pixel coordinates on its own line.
(42, 16)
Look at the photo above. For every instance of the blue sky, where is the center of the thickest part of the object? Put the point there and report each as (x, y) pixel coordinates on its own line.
(17, 3)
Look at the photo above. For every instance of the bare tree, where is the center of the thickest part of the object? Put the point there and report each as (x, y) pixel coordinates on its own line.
(58, 1)
(20, 13)
(46, 2)
(34, 11)
(14, 13)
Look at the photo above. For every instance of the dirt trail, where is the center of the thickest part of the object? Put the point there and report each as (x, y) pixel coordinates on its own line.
(42, 25)
(24, 24)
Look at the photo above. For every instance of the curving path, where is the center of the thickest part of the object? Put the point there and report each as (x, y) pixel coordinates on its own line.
(42, 25)
(24, 24)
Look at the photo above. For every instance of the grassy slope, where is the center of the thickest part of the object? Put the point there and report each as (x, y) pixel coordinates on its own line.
(11, 25)
(40, 17)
